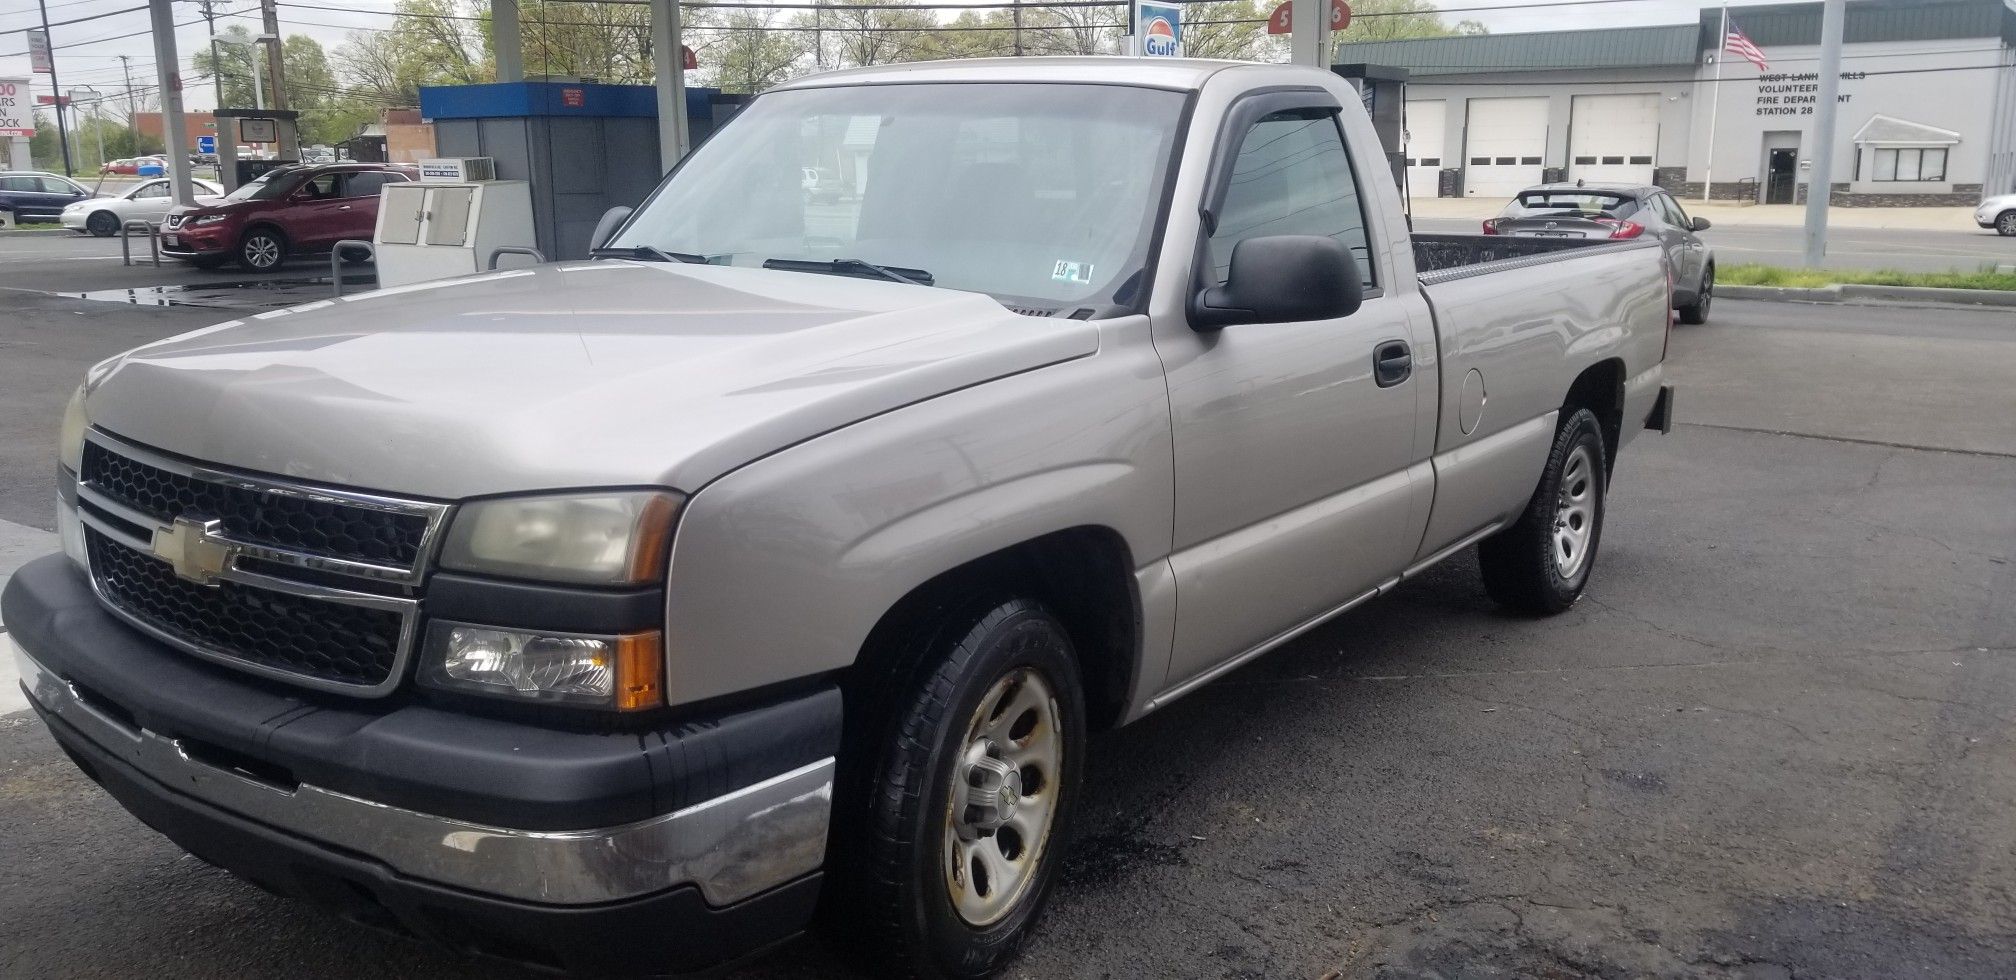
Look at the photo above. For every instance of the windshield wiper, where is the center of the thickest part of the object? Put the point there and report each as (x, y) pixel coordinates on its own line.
(842, 267)
(651, 252)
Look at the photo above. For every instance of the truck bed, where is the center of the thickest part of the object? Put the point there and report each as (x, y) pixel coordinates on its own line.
(1439, 258)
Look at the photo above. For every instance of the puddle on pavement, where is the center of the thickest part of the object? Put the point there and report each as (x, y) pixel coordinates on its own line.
(249, 294)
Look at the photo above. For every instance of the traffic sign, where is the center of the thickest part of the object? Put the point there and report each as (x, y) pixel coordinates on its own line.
(1281, 20)
(16, 116)
(206, 144)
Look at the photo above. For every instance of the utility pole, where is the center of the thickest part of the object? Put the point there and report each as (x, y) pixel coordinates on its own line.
(216, 61)
(1018, 28)
(174, 129)
(270, 11)
(132, 108)
(62, 128)
(1309, 33)
(1820, 182)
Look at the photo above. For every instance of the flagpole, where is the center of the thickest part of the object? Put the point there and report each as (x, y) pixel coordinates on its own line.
(1715, 108)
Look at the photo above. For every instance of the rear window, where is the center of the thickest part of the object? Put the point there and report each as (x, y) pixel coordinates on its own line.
(1614, 205)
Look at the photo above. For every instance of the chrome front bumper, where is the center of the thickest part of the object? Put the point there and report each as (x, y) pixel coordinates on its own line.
(732, 846)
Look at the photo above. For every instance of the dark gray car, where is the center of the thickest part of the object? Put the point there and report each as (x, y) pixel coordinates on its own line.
(35, 196)
(1583, 210)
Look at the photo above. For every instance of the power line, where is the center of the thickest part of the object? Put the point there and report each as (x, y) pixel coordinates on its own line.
(73, 20)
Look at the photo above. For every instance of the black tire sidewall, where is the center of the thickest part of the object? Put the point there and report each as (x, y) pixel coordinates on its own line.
(2004, 224)
(1582, 430)
(92, 225)
(949, 688)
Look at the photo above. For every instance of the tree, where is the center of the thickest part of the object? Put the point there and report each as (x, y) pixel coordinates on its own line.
(742, 50)
(1232, 29)
(230, 59)
(607, 41)
(431, 42)
(868, 32)
(1394, 20)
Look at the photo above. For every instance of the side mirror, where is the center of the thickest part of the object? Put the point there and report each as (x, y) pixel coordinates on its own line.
(1282, 279)
(1701, 224)
(605, 229)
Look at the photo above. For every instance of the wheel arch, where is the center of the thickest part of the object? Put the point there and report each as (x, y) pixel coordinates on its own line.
(1083, 575)
(1600, 389)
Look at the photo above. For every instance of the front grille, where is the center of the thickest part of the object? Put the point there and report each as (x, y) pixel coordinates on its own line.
(328, 641)
(328, 528)
(312, 585)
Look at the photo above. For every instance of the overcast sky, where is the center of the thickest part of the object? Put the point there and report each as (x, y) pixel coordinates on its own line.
(97, 65)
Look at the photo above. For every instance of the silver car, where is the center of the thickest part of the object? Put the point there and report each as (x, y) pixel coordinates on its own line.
(1620, 211)
(1998, 213)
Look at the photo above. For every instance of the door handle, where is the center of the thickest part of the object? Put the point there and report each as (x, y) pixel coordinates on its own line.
(1392, 363)
(345, 207)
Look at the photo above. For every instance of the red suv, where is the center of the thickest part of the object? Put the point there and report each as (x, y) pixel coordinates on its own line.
(288, 211)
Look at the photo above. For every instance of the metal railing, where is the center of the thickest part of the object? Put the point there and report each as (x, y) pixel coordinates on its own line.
(126, 231)
(336, 260)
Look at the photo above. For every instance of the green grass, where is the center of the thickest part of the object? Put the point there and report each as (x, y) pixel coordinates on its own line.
(1771, 275)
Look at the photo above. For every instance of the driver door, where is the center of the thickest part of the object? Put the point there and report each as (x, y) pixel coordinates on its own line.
(1294, 460)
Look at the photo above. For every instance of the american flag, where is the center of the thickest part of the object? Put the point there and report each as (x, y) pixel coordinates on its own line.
(1739, 43)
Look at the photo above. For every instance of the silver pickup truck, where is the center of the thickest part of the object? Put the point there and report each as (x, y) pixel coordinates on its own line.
(627, 614)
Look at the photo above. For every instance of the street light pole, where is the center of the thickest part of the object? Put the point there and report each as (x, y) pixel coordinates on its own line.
(56, 88)
(1820, 182)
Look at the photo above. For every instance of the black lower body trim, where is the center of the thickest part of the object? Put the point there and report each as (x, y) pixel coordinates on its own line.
(673, 931)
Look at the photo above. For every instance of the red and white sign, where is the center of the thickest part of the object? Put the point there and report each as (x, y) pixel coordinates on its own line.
(692, 60)
(52, 100)
(38, 51)
(573, 98)
(16, 116)
(1281, 21)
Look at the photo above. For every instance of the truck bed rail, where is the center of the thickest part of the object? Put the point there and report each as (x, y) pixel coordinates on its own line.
(1441, 258)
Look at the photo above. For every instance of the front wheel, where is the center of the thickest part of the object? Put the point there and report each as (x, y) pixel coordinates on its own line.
(1541, 564)
(102, 224)
(968, 782)
(262, 249)
(1697, 311)
(2005, 223)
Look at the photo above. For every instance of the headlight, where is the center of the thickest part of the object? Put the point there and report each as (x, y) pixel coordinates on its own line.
(619, 673)
(209, 219)
(589, 539)
(70, 442)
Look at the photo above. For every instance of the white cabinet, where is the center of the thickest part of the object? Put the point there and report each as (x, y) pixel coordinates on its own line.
(436, 230)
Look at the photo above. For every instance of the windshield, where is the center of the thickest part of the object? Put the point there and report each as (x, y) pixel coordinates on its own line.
(265, 187)
(1040, 195)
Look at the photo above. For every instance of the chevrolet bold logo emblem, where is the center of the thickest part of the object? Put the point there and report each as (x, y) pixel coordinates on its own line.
(194, 549)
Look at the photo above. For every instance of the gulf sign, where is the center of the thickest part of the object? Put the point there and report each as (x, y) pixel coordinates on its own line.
(1161, 30)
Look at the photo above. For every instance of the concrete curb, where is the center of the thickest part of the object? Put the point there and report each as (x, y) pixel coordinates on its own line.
(1849, 293)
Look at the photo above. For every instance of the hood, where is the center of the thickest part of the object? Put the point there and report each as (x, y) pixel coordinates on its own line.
(569, 375)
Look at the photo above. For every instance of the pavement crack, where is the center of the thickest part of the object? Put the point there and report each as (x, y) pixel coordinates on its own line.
(1850, 440)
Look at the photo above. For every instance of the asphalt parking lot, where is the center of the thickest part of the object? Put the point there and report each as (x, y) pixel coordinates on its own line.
(1774, 741)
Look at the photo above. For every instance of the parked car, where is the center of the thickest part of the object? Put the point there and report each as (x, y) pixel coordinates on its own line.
(147, 201)
(150, 166)
(37, 196)
(1998, 213)
(286, 211)
(604, 614)
(1620, 211)
(125, 165)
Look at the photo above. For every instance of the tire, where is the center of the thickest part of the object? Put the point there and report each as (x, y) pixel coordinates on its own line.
(2005, 223)
(262, 249)
(1697, 312)
(983, 701)
(102, 224)
(1541, 564)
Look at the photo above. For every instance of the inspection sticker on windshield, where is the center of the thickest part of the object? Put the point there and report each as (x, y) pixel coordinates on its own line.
(1078, 272)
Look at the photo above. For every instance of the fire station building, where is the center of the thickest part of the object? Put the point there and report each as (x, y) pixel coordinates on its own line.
(1927, 110)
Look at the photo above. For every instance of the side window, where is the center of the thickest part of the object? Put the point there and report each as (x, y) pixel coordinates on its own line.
(57, 185)
(153, 190)
(365, 184)
(322, 188)
(1291, 177)
(1671, 210)
(19, 184)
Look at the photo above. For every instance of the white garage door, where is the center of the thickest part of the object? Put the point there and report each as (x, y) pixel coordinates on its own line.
(1505, 143)
(1613, 137)
(1426, 126)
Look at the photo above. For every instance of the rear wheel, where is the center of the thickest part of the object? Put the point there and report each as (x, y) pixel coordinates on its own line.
(964, 786)
(2005, 223)
(262, 249)
(1541, 563)
(1697, 312)
(103, 224)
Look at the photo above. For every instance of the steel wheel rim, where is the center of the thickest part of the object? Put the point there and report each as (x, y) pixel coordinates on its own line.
(101, 224)
(262, 251)
(1003, 797)
(1707, 293)
(1575, 514)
